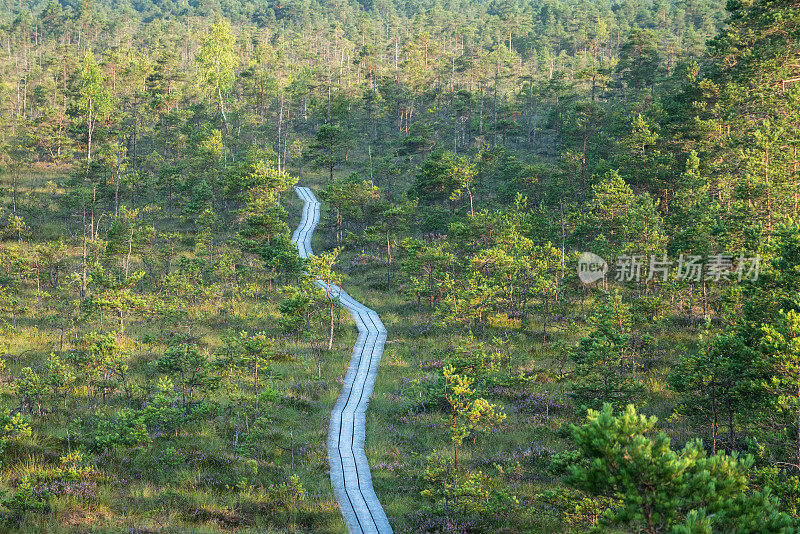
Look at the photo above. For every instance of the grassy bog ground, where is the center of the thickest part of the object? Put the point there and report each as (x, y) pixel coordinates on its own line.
(213, 463)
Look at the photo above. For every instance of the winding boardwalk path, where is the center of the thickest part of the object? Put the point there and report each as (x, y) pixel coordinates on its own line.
(350, 474)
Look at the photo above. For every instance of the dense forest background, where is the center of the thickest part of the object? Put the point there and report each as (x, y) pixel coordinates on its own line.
(168, 366)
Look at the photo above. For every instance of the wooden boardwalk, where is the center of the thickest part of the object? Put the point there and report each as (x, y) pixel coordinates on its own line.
(350, 475)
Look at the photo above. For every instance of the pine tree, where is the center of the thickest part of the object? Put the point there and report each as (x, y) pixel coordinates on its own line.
(716, 384)
(662, 490)
(329, 149)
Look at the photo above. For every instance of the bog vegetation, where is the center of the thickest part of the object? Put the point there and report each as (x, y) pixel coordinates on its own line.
(169, 366)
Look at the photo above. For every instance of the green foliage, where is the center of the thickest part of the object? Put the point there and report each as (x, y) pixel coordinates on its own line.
(114, 291)
(618, 221)
(469, 413)
(353, 202)
(61, 378)
(320, 267)
(93, 98)
(329, 149)
(786, 489)
(217, 62)
(126, 429)
(105, 366)
(190, 368)
(580, 511)
(521, 134)
(280, 257)
(163, 413)
(662, 490)
(262, 216)
(13, 427)
(22, 501)
(605, 361)
(426, 266)
(442, 178)
(31, 389)
(780, 343)
(716, 383)
(639, 64)
(468, 495)
(475, 495)
(74, 467)
(299, 308)
(778, 283)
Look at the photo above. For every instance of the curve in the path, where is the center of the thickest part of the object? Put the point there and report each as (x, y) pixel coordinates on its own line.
(350, 473)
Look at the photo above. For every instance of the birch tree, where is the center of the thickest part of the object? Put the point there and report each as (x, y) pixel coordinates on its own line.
(94, 99)
(216, 62)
